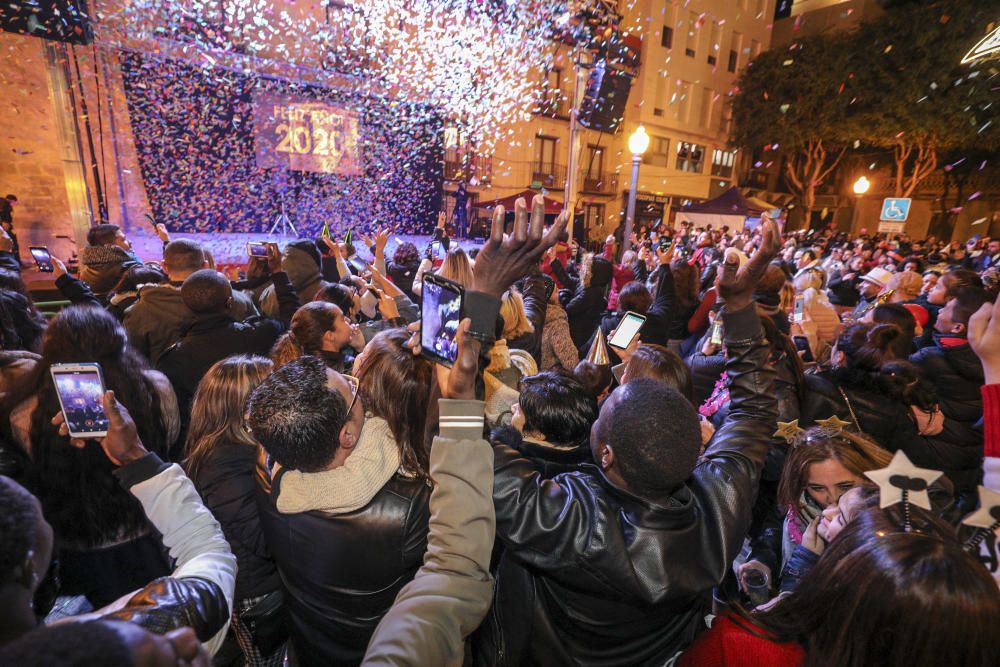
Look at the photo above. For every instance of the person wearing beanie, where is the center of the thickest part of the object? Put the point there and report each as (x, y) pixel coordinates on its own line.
(301, 261)
(905, 286)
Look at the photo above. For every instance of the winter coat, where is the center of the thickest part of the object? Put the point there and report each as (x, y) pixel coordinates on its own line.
(102, 266)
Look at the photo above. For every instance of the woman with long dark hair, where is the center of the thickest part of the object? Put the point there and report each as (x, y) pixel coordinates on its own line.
(221, 459)
(877, 596)
(320, 329)
(107, 547)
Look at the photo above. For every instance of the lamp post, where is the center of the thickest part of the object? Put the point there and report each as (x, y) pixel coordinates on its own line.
(638, 142)
(860, 188)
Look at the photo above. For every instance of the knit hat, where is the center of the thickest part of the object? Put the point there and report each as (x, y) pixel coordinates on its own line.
(309, 247)
(878, 276)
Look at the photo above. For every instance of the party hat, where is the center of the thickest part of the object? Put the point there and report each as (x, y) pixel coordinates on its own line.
(325, 233)
(598, 353)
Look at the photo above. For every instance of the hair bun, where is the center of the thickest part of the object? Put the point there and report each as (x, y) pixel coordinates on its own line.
(882, 336)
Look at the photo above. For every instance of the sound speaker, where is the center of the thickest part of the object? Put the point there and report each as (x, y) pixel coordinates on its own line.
(603, 103)
(59, 20)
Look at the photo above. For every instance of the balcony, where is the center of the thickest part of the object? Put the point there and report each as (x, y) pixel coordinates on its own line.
(463, 168)
(599, 183)
(548, 176)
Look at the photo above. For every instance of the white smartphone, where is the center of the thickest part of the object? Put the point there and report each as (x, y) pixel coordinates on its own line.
(799, 315)
(627, 330)
(80, 388)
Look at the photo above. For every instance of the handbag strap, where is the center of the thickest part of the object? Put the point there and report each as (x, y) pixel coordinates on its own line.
(850, 409)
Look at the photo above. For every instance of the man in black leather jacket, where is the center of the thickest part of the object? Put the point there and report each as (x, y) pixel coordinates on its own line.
(613, 564)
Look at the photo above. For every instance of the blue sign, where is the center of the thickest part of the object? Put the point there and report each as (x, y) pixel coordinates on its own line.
(895, 210)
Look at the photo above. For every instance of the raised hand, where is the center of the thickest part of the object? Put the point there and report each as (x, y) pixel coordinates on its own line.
(736, 284)
(58, 268)
(506, 258)
(383, 283)
(121, 445)
(161, 231)
(984, 338)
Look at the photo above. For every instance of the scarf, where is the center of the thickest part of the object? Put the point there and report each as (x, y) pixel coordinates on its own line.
(350, 487)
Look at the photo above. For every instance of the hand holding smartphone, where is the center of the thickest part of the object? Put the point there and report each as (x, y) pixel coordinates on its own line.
(799, 315)
(440, 314)
(627, 330)
(257, 249)
(80, 388)
(43, 260)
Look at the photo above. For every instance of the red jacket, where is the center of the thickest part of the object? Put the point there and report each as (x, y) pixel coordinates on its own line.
(729, 645)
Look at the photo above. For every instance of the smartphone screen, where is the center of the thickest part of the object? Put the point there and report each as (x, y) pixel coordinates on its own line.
(437, 252)
(802, 345)
(664, 243)
(716, 337)
(440, 314)
(42, 258)
(800, 308)
(627, 330)
(81, 389)
(774, 213)
(257, 249)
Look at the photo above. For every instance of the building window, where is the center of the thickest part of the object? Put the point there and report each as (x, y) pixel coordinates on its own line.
(657, 155)
(734, 51)
(595, 161)
(547, 154)
(722, 162)
(593, 216)
(715, 44)
(667, 37)
(551, 97)
(690, 157)
(692, 35)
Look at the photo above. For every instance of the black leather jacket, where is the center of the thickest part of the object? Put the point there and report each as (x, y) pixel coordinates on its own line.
(594, 575)
(342, 572)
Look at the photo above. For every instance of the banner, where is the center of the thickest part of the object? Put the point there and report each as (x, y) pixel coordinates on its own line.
(301, 134)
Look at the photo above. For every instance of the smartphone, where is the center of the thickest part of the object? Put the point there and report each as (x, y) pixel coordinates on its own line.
(798, 315)
(441, 306)
(774, 213)
(627, 330)
(80, 388)
(716, 336)
(43, 260)
(665, 242)
(257, 249)
(437, 250)
(802, 345)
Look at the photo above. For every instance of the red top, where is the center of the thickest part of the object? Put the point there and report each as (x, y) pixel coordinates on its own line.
(991, 419)
(729, 645)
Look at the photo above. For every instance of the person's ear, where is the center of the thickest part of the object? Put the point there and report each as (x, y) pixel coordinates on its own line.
(605, 456)
(348, 436)
(25, 573)
(958, 328)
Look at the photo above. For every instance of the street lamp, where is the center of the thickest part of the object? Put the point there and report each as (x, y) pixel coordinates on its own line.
(637, 143)
(860, 188)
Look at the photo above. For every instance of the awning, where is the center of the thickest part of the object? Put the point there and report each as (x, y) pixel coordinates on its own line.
(552, 206)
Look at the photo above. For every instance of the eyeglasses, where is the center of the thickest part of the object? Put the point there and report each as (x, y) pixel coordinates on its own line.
(355, 384)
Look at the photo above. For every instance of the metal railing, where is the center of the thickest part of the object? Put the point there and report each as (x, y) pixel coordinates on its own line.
(548, 176)
(599, 183)
(464, 168)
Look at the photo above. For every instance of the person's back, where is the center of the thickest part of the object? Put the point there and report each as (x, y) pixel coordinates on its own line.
(612, 564)
(342, 572)
(213, 334)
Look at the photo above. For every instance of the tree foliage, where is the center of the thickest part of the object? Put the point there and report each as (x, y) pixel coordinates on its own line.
(893, 84)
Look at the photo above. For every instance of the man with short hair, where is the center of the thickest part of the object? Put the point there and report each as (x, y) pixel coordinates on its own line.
(155, 321)
(553, 417)
(341, 572)
(613, 564)
(951, 366)
(107, 256)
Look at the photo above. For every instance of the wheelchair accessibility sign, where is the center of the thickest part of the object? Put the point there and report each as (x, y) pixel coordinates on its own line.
(895, 210)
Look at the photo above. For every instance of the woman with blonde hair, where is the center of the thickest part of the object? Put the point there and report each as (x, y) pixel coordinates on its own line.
(456, 267)
(221, 460)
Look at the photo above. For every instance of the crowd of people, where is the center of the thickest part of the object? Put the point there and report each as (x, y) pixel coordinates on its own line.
(796, 461)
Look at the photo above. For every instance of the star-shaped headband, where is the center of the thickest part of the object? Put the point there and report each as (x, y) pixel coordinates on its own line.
(986, 519)
(793, 433)
(903, 482)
